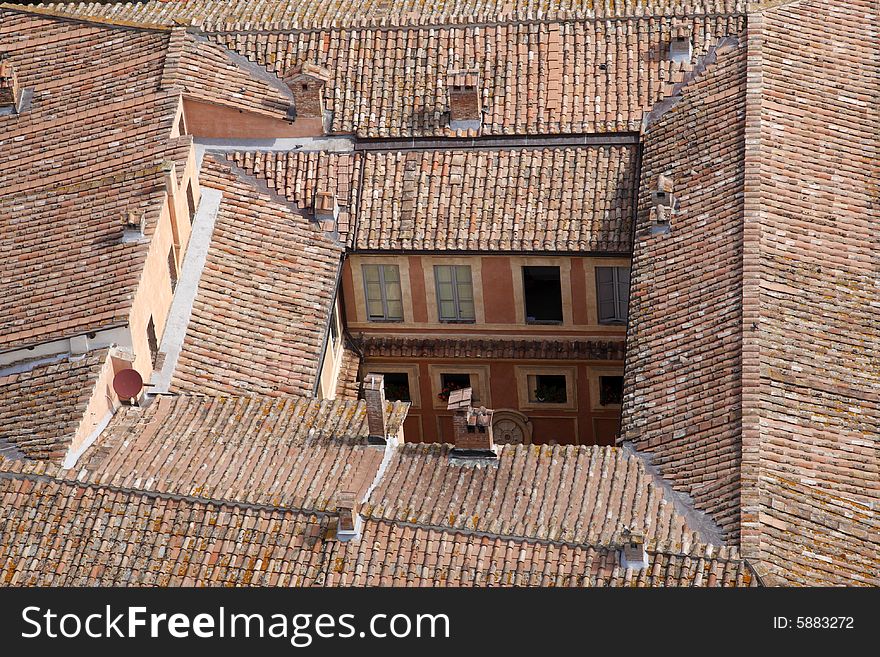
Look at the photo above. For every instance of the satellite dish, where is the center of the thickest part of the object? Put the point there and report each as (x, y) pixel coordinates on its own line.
(128, 384)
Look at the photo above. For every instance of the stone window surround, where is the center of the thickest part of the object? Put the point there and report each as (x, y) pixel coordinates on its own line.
(524, 374)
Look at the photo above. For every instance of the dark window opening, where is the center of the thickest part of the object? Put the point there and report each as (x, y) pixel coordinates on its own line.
(397, 386)
(181, 126)
(542, 289)
(172, 268)
(152, 341)
(450, 382)
(550, 389)
(334, 327)
(610, 390)
(612, 294)
(191, 201)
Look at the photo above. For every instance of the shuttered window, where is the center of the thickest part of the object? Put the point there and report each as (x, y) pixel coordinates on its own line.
(455, 293)
(383, 293)
(612, 293)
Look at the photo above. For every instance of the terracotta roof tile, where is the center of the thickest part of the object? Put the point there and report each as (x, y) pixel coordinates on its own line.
(290, 452)
(53, 528)
(683, 381)
(298, 175)
(556, 199)
(41, 409)
(264, 298)
(577, 495)
(390, 82)
(286, 14)
(491, 348)
(348, 382)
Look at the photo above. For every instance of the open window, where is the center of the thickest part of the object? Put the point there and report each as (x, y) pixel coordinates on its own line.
(610, 390)
(548, 389)
(397, 386)
(453, 381)
(542, 292)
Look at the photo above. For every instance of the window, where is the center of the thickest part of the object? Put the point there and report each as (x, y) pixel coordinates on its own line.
(612, 293)
(542, 290)
(610, 390)
(450, 382)
(455, 293)
(172, 268)
(548, 389)
(397, 386)
(382, 287)
(152, 341)
(335, 330)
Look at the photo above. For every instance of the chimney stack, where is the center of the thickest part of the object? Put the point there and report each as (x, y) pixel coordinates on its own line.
(326, 211)
(465, 110)
(633, 553)
(681, 48)
(133, 226)
(348, 524)
(8, 86)
(374, 396)
(472, 427)
(307, 82)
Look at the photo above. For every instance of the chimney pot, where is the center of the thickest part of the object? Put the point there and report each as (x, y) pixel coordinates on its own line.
(374, 397)
(346, 509)
(9, 95)
(326, 210)
(133, 226)
(472, 427)
(681, 48)
(465, 109)
(633, 554)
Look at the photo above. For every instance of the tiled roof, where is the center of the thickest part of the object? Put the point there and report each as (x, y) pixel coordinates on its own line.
(556, 199)
(63, 533)
(207, 71)
(298, 175)
(578, 76)
(580, 495)
(41, 409)
(290, 452)
(285, 14)
(682, 387)
(264, 299)
(348, 384)
(811, 375)
(95, 88)
(493, 348)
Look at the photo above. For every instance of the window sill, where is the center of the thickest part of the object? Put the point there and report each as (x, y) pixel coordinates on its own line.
(458, 321)
(384, 321)
(544, 322)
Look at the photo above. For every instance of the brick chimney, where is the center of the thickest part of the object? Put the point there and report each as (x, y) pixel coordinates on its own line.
(662, 194)
(307, 82)
(681, 48)
(326, 211)
(8, 86)
(472, 427)
(374, 396)
(349, 521)
(465, 110)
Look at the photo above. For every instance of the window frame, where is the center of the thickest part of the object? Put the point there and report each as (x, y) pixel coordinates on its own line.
(526, 380)
(383, 289)
(456, 299)
(525, 299)
(619, 317)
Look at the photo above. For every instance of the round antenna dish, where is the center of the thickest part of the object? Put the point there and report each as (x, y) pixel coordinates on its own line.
(128, 384)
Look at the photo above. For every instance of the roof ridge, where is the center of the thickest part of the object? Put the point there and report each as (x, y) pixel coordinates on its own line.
(88, 20)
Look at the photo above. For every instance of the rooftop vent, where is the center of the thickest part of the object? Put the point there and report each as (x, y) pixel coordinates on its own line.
(465, 111)
(9, 92)
(374, 396)
(326, 210)
(133, 226)
(349, 523)
(472, 427)
(307, 82)
(681, 47)
(633, 553)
